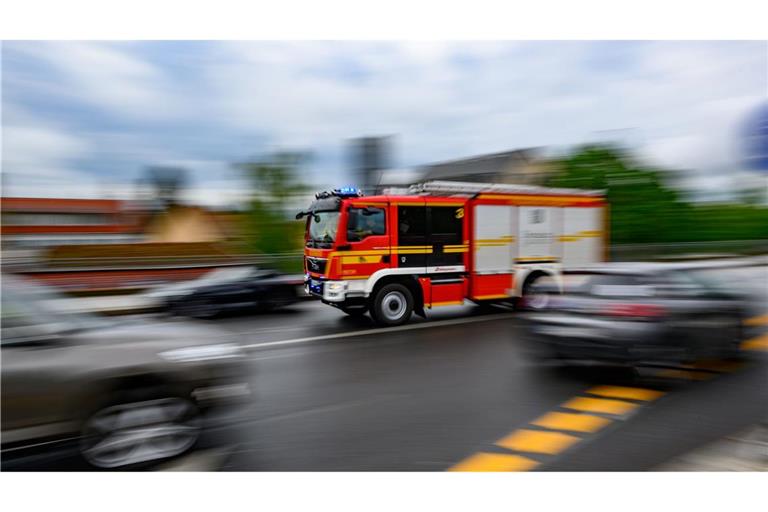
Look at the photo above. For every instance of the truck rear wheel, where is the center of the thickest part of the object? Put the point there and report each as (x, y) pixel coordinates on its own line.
(392, 305)
(533, 298)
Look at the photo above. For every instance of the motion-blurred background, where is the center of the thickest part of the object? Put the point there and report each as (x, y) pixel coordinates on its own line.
(116, 154)
(131, 169)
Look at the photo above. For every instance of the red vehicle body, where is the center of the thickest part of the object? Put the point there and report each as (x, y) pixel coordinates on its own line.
(395, 254)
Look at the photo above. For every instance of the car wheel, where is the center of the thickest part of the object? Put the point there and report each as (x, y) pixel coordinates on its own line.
(134, 433)
(733, 348)
(198, 308)
(392, 305)
(534, 299)
(279, 298)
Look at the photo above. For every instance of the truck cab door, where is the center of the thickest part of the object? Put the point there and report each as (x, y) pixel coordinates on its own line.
(368, 240)
(412, 246)
(446, 236)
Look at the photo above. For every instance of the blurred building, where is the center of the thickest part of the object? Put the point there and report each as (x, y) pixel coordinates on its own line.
(370, 157)
(44, 222)
(189, 224)
(520, 166)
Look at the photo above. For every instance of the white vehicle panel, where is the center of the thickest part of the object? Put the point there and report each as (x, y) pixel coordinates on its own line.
(539, 233)
(494, 238)
(582, 236)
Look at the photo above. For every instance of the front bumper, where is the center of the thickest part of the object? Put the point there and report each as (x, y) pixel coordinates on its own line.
(335, 291)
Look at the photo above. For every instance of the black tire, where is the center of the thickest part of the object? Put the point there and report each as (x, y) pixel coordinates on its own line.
(198, 308)
(162, 440)
(530, 300)
(392, 305)
(280, 297)
(732, 350)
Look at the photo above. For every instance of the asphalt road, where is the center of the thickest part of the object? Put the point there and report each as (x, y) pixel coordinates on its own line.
(458, 391)
(335, 393)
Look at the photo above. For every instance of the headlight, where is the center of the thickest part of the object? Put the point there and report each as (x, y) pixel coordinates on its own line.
(336, 287)
(202, 353)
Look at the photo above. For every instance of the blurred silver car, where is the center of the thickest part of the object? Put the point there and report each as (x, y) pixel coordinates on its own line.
(122, 393)
(631, 313)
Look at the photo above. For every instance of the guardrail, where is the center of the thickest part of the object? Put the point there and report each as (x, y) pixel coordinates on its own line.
(688, 250)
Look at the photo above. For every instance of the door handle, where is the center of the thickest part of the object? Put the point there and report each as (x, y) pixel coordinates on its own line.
(385, 258)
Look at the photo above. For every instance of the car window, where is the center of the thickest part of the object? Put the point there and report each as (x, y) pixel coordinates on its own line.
(365, 222)
(619, 285)
(673, 284)
(28, 311)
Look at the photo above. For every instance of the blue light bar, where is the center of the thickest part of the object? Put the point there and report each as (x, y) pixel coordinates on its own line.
(347, 192)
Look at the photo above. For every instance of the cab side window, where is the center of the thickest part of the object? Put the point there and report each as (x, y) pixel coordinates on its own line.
(365, 222)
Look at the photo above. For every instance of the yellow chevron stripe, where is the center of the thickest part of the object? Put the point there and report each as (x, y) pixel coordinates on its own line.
(360, 259)
(447, 303)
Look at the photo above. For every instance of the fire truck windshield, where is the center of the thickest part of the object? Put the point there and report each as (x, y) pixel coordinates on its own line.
(322, 228)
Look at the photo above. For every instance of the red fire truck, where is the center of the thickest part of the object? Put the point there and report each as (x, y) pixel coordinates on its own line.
(443, 243)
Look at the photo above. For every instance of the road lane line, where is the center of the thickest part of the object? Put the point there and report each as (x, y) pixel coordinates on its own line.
(380, 330)
(495, 462)
(536, 441)
(625, 392)
(759, 343)
(600, 405)
(571, 421)
(553, 441)
(757, 320)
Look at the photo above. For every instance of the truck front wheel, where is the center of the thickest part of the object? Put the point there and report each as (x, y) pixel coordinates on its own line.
(392, 305)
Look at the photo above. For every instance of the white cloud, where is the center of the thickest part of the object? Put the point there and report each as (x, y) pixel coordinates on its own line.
(108, 76)
(681, 101)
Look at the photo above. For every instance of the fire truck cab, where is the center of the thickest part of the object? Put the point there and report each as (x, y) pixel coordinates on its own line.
(444, 243)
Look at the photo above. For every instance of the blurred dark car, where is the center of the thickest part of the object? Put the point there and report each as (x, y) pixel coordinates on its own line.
(116, 394)
(637, 313)
(228, 289)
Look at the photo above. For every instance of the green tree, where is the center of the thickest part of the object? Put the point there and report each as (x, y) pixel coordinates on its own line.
(269, 226)
(644, 209)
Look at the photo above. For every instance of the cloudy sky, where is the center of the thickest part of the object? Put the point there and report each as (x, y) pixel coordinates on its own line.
(83, 119)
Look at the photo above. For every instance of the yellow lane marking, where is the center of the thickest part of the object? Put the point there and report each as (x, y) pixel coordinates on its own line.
(601, 405)
(757, 320)
(495, 462)
(624, 392)
(759, 343)
(535, 441)
(572, 422)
